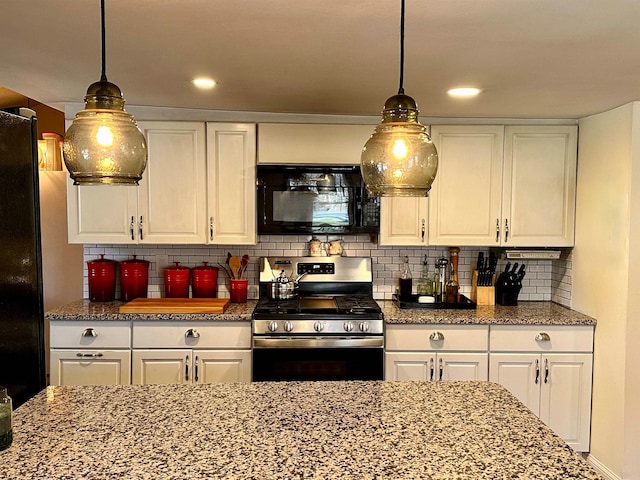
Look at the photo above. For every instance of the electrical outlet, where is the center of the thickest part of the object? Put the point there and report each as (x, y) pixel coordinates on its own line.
(162, 261)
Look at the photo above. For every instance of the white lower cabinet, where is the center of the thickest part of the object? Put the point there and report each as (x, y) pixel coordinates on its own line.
(436, 352)
(194, 352)
(85, 353)
(549, 369)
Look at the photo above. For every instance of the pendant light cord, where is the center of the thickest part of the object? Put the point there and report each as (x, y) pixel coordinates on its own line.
(400, 88)
(103, 77)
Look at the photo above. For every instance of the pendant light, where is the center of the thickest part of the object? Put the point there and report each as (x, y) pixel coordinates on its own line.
(399, 158)
(104, 145)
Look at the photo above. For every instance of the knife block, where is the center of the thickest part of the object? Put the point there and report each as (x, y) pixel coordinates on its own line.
(483, 295)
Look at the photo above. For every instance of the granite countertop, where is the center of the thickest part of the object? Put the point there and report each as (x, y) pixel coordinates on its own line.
(108, 311)
(526, 313)
(312, 430)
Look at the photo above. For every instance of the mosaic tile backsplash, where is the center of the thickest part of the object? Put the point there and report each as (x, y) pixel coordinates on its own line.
(546, 280)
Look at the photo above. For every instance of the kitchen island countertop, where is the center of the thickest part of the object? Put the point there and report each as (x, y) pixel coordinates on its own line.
(319, 430)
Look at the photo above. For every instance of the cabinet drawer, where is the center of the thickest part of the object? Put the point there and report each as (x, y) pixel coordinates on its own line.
(531, 338)
(191, 335)
(79, 334)
(419, 337)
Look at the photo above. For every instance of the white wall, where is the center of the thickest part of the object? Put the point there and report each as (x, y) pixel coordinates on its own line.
(601, 278)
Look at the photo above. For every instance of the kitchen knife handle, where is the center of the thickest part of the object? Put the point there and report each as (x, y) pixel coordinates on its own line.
(131, 228)
(210, 228)
(186, 368)
(497, 230)
(140, 227)
(546, 370)
(440, 368)
(431, 369)
(424, 229)
(506, 230)
(537, 371)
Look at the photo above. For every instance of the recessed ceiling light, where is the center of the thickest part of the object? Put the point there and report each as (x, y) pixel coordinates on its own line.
(464, 92)
(204, 83)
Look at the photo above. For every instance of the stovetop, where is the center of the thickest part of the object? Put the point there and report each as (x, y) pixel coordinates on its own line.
(326, 307)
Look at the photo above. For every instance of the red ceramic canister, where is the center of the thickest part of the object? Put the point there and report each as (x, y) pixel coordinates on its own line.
(102, 279)
(176, 281)
(134, 278)
(205, 281)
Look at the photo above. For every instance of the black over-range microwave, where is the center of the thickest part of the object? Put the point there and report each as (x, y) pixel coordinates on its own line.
(327, 199)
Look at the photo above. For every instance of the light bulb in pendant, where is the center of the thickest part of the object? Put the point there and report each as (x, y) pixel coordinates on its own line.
(104, 136)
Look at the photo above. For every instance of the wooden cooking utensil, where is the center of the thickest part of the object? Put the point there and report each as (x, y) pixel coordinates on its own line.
(234, 264)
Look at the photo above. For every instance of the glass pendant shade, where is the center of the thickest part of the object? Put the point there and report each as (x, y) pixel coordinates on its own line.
(104, 145)
(399, 159)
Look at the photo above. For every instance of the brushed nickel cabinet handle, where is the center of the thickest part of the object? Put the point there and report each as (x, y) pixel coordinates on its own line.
(543, 337)
(140, 228)
(424, 229)
(210, 228)
(436, 336)
(506, 230)
(431, 369)
(131, 228)
(546, 370)
(537, 371)
(191, 333)
(497, 230)
(186, 368)
(89, 332)
(89, 355)
(441, 368)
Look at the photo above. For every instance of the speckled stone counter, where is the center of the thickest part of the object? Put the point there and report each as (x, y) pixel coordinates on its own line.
(526, 313)
(318, 430)
(108, 311)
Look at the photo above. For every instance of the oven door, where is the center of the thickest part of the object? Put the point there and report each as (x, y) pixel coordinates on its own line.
(306, 359)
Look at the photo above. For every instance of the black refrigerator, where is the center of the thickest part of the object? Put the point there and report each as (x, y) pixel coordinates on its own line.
(22, 343)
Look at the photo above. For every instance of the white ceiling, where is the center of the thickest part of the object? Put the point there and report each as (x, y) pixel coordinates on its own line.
(532, 58)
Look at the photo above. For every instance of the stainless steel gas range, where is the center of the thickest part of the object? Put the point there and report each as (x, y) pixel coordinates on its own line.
(330, 327)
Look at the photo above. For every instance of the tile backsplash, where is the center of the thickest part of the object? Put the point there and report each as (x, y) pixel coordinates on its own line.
(545, 279)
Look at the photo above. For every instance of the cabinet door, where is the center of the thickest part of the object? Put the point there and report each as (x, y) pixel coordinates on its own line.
(157, 366)
(565, 403)
(403, 220)
(172, 193)
(463, 366)
(465, 199)
(102, 214)
(231, 177)
(222, 366)
(314, 144)
(539, 185)
(520, 373)
(90, 367)
(409, 366)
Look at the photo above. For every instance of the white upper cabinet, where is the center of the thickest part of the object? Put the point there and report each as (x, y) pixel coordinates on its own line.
(169, 205)
(539, 186)
(504, 186)
(465, 198)
(403, 221)
(172, 195)
(321, 144)
(231, 178)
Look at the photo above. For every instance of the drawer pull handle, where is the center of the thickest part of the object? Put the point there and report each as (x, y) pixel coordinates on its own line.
(89, 332)
(436, 336)
(192, 333)
(89, 355)
(543, 337)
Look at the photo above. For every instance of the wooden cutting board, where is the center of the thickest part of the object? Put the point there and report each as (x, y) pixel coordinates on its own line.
(176, 305)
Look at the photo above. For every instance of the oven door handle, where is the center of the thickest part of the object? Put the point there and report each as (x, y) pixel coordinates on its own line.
(314, 342)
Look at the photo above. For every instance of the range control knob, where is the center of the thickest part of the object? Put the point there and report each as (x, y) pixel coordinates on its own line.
(318, 326)
(272, 326)
(288, 326)
(348, 326)
(364, 327)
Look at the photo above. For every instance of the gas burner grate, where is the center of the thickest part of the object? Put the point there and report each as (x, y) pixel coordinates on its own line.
(357, 305)
(277, 306)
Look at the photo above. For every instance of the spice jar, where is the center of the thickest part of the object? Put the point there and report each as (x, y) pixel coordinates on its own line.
(6, 432)
(134, 278)
(102, 279)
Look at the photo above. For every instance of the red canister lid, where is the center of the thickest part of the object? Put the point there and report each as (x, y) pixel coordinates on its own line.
(177, 268)
(101, 260)
(134, 261)
(204, 266)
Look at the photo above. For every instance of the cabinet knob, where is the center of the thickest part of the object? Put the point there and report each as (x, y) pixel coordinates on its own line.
(436, 336)
(89, 332)
(543, 337)
(192, 333)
